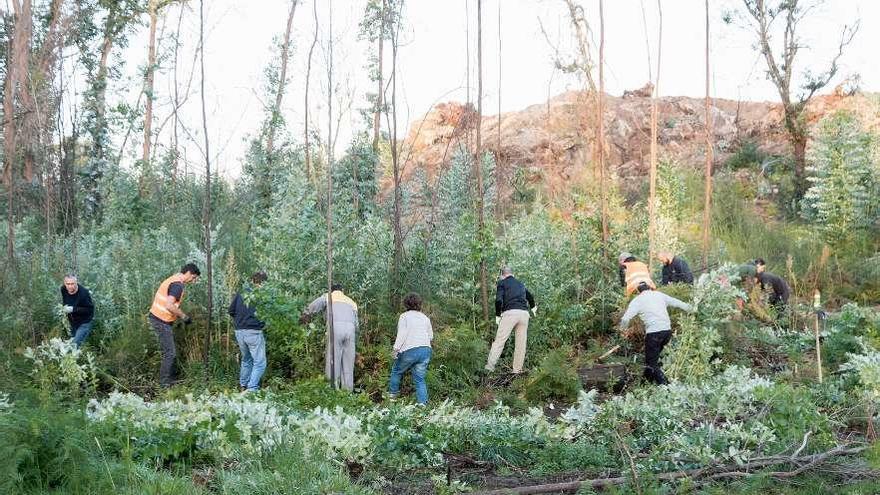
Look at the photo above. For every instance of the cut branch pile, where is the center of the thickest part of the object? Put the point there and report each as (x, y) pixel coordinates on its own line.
(800, 465)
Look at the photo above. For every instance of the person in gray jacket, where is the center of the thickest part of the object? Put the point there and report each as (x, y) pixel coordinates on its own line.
(345, 325)
(651, 306)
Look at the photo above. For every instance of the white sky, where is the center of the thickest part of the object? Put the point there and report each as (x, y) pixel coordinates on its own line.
(432, 60)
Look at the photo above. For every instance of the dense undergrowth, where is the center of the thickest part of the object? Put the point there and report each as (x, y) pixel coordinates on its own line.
(745, 383)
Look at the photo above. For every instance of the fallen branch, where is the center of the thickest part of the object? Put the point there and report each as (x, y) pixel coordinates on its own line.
(707, 474)
(608, 353)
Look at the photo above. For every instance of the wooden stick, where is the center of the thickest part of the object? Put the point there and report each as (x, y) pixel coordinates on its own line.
(608, 353)
(818, 349)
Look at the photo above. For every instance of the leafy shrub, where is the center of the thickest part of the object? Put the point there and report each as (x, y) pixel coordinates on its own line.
(555, 379)
(458, 354)
(60, 367)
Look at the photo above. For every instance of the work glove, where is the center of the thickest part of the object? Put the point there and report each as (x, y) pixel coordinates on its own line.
(497, 320)
(535, 310)
(187, 319)
(68, 309)
(394, 355)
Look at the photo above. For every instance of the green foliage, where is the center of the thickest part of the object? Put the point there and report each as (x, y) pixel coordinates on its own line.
(843, 196)
(555, 379)
(458, 354)
(747, 155)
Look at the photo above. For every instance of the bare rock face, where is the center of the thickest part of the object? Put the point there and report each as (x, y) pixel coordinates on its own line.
(554, 141)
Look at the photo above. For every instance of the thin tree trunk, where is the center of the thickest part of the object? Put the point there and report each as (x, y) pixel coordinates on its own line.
(148, 89)
(500, 174)
(308, 153)
(707, 204)
(652, 201)
(175, 135)
(330, 330)
(275, 116)
(600, 124)
(395, 165)
(380, 88)
(207, 206)
(478, 168)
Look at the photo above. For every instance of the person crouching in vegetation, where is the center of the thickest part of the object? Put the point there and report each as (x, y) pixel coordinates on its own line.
(79, 309)
(632, 273)
(165, 311)
(412, 349)
(780, 292)
(651, 306)
(345, 325)
(512, 303)
(675, 270)
(251, 341)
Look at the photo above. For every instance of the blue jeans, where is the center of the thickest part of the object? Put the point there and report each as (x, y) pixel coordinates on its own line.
(80, 333)
(253, 357)
(415, 359)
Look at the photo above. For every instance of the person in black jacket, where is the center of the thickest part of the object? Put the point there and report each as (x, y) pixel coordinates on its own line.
(79, 309)
(780, 292)
(512, 303)
(675, 270)
(251, 341)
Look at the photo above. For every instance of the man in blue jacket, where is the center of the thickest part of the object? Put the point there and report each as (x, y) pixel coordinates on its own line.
(512, 304)
(251, 341)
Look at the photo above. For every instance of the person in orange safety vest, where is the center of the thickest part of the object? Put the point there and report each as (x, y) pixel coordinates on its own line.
(164, 311)
(632, 273)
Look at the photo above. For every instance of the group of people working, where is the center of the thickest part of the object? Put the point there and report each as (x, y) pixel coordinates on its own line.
(411, 351)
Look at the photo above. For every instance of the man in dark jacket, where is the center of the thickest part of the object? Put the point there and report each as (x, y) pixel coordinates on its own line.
(675, 270)
(79, 309)
(251, 341)
(512, 303)
(780, 292)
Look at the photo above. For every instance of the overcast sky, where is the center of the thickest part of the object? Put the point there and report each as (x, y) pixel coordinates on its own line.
(432, 60)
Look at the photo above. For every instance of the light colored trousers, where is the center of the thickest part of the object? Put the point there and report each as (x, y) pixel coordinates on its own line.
(343, 355)
(511, 319)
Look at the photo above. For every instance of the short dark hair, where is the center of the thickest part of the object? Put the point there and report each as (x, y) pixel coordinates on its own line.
(258, 277)
(412, 302)
(643, 286)
(336, 287)
(760, 262)
(191, 268)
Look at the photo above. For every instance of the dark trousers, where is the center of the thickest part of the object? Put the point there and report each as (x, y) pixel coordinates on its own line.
(654, 344)
(167, 349)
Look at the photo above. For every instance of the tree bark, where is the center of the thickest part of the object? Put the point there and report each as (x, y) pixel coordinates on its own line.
(652, 213)
(600, 125)
(330, 329)
(148, 89)
(707, 200)
(478, 169)
(397, 260)
(207, 205)
(308, 153)
(380, 87)
(275, 116)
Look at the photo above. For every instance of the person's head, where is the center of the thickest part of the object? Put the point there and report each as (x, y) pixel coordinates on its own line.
(665, 257)
(258, 278)
(643, 286)
(412, 302)
(760, 265)
(624, 257)
(505, 272)
(337, 287)
(190, 272)
(71, 284)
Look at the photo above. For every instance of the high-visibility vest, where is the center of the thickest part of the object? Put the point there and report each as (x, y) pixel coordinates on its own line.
(158, 308)
(636, 272)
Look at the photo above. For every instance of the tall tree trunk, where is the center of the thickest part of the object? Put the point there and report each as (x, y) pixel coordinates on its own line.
(600, 125)
(308, 152)
(652, 201)
(500, 173)
(397, 260)
(175, 136)
(330, 329)
(380, 87)
(207, 206)
(148, 90)
(478, 169)
(707, 202)
(275, 116)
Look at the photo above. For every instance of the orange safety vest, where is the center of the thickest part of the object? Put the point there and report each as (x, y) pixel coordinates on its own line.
(161, 299)
(636, 272)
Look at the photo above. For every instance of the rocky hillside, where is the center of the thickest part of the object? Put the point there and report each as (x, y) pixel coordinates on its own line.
(553, 140)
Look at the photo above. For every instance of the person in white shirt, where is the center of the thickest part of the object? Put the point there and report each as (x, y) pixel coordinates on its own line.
(412, 349)
(650, 305)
